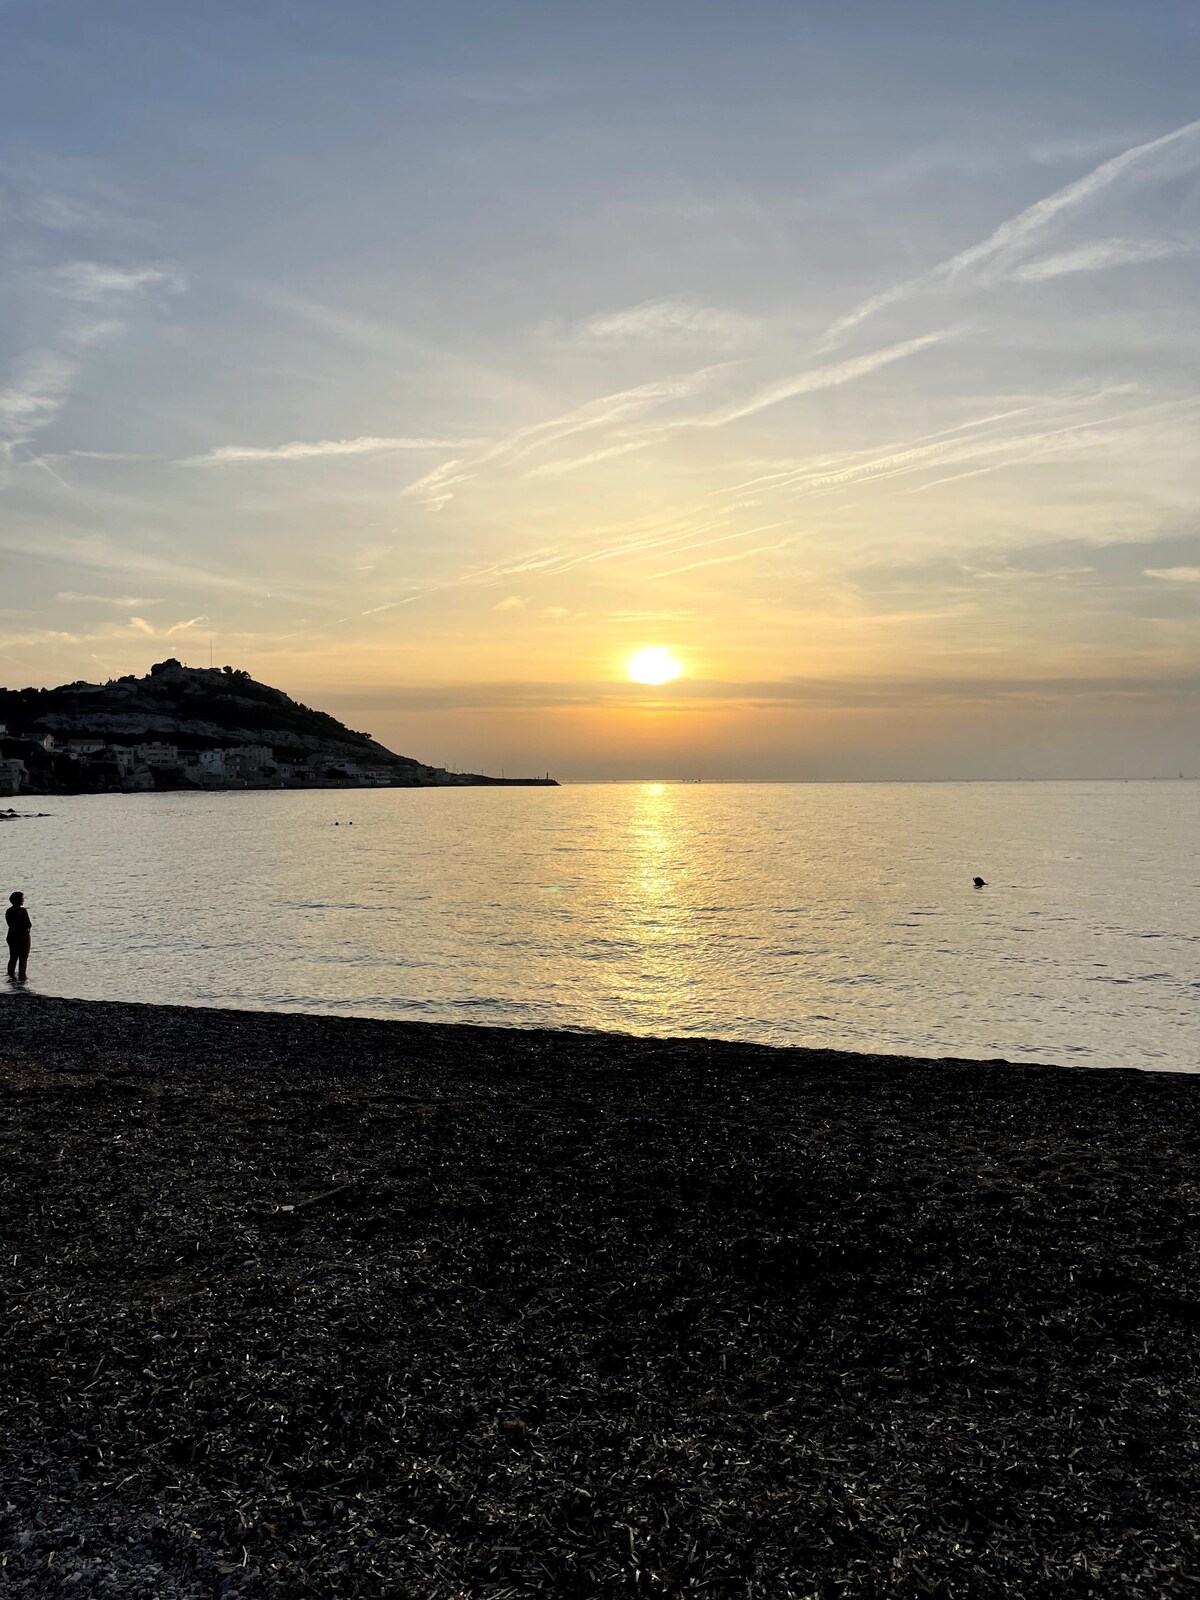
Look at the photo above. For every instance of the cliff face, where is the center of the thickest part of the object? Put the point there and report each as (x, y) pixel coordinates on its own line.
(193, 707)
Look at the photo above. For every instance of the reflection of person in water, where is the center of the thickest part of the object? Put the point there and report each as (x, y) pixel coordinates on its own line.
(19, 927)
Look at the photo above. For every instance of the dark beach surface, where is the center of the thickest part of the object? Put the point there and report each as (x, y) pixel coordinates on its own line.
(300, 1306)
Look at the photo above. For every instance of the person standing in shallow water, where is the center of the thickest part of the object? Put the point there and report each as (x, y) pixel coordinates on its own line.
(19, 931)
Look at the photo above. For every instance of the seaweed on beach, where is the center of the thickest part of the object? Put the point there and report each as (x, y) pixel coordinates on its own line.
(300, 1306)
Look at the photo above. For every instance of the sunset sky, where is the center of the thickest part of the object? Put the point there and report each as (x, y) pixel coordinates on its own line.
(432, 360)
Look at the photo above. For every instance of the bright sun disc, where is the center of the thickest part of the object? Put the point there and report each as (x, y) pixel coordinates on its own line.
(655, 664)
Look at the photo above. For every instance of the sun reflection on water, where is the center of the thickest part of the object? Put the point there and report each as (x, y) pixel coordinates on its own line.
(654, 837)
(656, 904)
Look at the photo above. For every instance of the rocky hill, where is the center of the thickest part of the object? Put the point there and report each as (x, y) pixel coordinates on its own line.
(187, 726)
(195, 708)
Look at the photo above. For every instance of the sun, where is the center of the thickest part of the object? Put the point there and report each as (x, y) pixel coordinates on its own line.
(655, 664)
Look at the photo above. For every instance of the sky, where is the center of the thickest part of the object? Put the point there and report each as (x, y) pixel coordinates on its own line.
(428, 362)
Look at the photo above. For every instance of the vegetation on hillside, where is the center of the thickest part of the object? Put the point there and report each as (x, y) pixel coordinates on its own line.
(224, 698)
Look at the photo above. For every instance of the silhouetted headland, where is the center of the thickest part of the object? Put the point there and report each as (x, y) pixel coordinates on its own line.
(196, 728)
(308, 1305)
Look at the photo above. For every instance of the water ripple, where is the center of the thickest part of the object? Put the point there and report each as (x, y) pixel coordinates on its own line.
(827, 915)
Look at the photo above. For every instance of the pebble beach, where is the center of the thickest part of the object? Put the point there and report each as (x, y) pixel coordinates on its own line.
(317, 1306)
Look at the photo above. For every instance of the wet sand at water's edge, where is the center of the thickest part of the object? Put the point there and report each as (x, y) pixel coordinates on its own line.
(301, 1305)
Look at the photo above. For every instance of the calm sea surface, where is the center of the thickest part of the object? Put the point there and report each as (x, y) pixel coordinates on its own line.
(838, 915)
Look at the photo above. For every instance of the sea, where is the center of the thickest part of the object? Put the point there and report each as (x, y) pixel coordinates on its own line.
(828, 915)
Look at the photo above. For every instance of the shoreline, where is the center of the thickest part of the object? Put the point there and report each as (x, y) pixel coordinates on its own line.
(481, 782)
(305, 1304)
(852, 1058)
(180, 1011)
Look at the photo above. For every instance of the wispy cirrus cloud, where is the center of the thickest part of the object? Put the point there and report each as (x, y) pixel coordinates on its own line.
(1174, 574)
(101, 455)
(134, 627)
(81, 306)
(37, 386)
(75, 213)
(1061, 425)
(101, 281)
(624, 406)
(316, 449)
(1140, 159)
(67, 195)
(998, 254)
(643, 541)
(1098, 256)
(436, 487)
(826, 377)
(725, 560)
(26, 637)
(97, 552)
(628, 416)
(140, 625)
(669, 321)
(124, 602)
(554, 469)
(1079, 147)
(809, 381)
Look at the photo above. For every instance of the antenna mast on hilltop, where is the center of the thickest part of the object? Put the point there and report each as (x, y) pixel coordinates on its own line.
(210, 652)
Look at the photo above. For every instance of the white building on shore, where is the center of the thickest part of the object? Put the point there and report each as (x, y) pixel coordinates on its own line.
(253, 757)
(157, 754)
(211, 765)
(122, 757)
